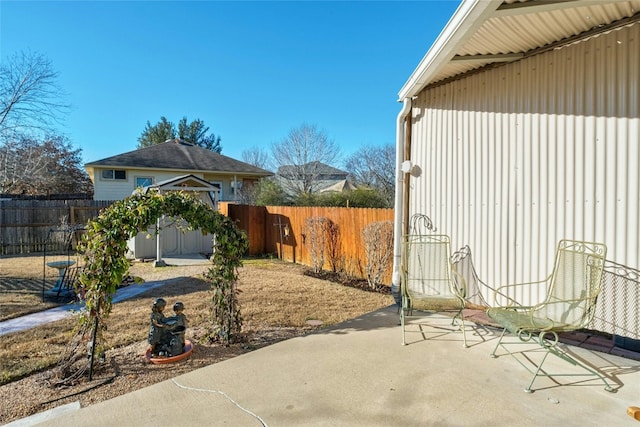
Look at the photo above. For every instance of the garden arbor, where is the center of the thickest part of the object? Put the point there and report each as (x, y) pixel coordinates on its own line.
(105, 247)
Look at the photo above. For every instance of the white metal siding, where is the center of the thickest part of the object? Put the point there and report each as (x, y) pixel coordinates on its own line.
(516, 158)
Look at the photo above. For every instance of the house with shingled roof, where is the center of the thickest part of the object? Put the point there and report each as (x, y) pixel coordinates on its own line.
(174, 165)
(313, 177)
(117, 177)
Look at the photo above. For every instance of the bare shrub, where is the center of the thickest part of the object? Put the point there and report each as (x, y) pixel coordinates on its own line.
(378, 245)
(316, 239)
(334, 247)
(324, 240)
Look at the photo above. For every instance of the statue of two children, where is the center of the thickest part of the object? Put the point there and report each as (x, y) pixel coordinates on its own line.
(166, 334)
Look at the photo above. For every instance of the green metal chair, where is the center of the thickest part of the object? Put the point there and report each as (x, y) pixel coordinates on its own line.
(568, 305)
(429, 283)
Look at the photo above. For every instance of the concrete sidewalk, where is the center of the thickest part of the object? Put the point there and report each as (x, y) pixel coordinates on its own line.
(358, 374)
(41, 317)
(46, 316)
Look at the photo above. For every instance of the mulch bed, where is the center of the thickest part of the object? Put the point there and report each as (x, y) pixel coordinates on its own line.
(345, 280)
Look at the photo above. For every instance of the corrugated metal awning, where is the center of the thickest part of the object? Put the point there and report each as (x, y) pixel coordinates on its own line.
(483, 33)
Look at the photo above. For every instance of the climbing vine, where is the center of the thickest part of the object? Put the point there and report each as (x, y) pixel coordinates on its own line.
(105, 246)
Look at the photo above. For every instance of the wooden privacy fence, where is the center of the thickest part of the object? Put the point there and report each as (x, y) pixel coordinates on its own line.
(25, 227)
(25, 224)
(282, 231)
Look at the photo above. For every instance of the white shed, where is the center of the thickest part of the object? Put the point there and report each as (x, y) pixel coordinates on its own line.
(521, 127)
(173, 239)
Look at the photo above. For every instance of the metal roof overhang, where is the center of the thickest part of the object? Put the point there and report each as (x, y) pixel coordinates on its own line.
(485, 33)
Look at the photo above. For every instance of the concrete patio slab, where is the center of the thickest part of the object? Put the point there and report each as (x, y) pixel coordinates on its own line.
(358, 374)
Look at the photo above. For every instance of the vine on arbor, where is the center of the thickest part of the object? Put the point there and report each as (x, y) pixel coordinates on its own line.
(105, 247)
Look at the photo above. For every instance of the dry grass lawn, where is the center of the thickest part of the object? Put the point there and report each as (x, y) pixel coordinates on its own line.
(277, 301)
(21, 282)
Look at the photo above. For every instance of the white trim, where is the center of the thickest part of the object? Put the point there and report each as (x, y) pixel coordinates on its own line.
(469, 16)
(218, 193)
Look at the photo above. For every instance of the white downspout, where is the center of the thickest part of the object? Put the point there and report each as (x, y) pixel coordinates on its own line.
(398, 206)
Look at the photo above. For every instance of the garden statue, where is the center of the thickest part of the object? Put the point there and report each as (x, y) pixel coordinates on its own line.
(166, 334)
(156, 328)
(173, 341)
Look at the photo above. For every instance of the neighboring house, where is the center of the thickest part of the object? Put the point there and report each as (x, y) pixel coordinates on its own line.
(313, 177)
(170, 166)
(116, 177)
(521, 126)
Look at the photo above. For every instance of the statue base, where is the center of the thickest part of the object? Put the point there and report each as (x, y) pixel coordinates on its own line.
(188, 348)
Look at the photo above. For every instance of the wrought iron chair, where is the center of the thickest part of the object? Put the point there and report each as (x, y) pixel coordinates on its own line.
(568, 305)
(67, 288)
(429, 283)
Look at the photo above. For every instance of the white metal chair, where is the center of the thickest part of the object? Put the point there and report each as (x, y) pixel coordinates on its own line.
(569, 304)
(429, 283)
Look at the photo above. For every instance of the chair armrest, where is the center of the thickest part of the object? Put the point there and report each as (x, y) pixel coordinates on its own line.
(458, 284)
(586, 318)
(512, 302)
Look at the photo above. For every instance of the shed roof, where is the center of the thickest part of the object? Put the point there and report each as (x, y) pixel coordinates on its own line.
(484, 33)
(183, 183)
(179, 155)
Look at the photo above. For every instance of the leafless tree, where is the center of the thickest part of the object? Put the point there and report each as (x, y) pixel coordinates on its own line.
(256, 156)
(51, 165)
(30, 98)
(374, 167)
(301, 157)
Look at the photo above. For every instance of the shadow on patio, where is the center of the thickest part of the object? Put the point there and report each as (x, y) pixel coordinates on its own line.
(358, 373)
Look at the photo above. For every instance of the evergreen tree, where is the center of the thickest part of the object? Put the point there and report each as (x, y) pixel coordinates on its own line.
(195, 132)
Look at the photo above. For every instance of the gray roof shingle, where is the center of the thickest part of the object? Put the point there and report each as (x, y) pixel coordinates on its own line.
(313, 168)
(177, 154)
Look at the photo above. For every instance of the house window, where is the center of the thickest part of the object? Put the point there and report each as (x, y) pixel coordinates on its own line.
(119, 174)
(144, 181)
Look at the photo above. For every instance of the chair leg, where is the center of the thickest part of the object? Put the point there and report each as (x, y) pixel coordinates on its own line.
(550, 347)
(464, 334)
(535, 375)
(407, 311)
(493, 354)
(566, 357)
(402, 321)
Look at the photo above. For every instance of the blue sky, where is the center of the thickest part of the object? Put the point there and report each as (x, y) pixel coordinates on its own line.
(250, 70)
